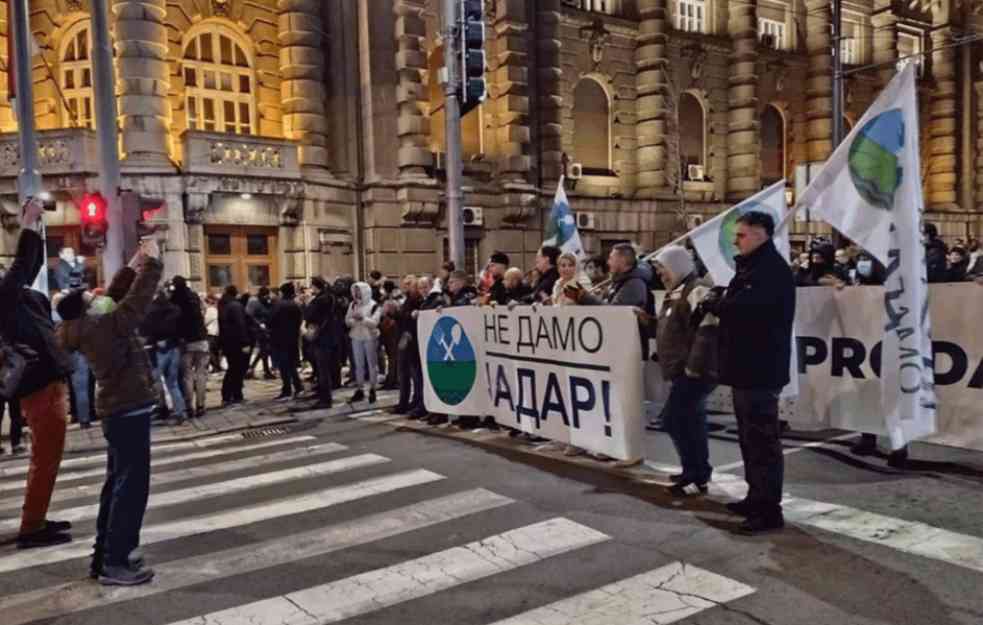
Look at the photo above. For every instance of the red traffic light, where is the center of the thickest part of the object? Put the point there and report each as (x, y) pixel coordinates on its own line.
(92, 209)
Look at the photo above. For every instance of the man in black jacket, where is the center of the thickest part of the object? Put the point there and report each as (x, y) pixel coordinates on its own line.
(284, 327)
(321, 315)
(193, 338)
(160, 329)
(25, 321)
(410, 367)
(756, 314)
(548, 275)
(235, 338)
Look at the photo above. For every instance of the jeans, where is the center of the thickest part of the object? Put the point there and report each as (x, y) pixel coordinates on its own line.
(758, 431)
(286, 362)
(195, 364)
(46, 413)
(365, 353)
(169, 366)
(80, 388)
(16, 420)
(235, 374)
(410, 378)
(123, 501)
(685, 420)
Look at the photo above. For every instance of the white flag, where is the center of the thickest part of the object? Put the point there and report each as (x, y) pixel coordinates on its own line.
(871, 190)
(561, 228)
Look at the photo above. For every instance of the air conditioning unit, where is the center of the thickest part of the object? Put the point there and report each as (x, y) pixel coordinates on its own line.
(576, 171)
(693, 221)
(768, 40)
(586, 221)
(473, 216)
(695, 172)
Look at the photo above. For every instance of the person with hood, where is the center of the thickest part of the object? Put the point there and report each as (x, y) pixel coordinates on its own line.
(935, 254)
(687, 348)
(193, 338)
(756, 312)
(869, 271)
(285, 321)
(235, 338)
(25, 320)
(546, 267)
(362, 320)
(160, 329)
(321, 316)
(106, 332)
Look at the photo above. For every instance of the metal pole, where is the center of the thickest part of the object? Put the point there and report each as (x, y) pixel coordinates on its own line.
(104, 92)
(29, 178)
(837, 73)
(452, 130)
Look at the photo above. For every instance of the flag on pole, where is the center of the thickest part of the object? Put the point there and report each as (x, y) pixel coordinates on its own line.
(871, 190)
(561, 229)
(714, 240)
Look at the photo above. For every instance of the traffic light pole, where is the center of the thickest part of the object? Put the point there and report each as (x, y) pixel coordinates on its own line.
(104, 92)
(29, 178)
(452, 130)
(836, 50)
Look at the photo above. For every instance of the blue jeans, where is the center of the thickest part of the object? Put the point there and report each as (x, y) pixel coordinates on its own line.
(123, 501)
(685, 420)
(169, 366)
(80, 388)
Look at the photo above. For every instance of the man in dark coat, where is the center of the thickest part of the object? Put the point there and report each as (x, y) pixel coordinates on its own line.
(193, 337)
(284, 326)
(321, 315)
(25, 320)
(235, 338)
(548, 275)
(410, 367)
(756, 314)
(936, 252)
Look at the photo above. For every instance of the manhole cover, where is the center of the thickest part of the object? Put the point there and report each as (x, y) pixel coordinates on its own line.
(264, 432)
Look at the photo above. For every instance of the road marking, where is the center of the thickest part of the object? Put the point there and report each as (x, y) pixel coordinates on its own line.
(665, 595)
(216, 489)
(207, 470)
(20, 468)
(165, 461)
(228, 519)
(371, 591)
(76, 596)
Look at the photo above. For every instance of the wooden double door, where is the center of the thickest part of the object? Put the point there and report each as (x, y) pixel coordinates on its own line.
(244, 256)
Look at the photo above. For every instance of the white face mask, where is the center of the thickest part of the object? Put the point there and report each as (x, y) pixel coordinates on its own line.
(865, 267)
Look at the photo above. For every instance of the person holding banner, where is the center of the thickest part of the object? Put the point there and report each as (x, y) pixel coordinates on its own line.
(687, 348)
(756, 312)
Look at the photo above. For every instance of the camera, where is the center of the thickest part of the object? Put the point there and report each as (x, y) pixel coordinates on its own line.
(48, 201)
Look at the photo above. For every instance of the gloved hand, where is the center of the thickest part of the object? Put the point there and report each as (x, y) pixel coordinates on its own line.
(711, 303)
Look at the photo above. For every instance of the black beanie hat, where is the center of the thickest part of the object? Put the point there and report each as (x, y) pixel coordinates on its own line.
(287, 290)
(72, 305)
(500, 258)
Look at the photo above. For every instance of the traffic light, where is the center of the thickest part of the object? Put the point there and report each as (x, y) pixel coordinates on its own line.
(92, 215)
(473, 88)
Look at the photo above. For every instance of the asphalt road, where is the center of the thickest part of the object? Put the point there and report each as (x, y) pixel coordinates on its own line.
(352, 520)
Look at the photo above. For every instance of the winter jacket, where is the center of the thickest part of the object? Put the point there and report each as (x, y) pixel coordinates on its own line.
(687, 346)
(626, 289)
(467, 296)
(25, 317)
(116, 354)
(321, 315)
(935, 259)
(284, 327)
(366, 327)
(406, 323)
(160, 325)
(60, 276)
(233, 327)
(520, 293)
(497, 293)
(259, 310)
(756, 315)
(191, 320)
(544, 287)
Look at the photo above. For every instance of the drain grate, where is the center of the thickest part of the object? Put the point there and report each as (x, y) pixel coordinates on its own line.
(264, 433)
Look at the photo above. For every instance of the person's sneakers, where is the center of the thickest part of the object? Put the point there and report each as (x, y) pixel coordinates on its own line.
(572, 450)
(200, 413)
(898, 459)
(357, 397)
(740, 508)
(18, 450)
(85, 426)
(372, 397)
(128, 575)
(397, 410)
(467, 422)
(57, 526)
(866, 446)
(418, 413)
(655, 425)
(757, 525)
(44, 537)
(437, 419)
(282, 397)
(175, 421)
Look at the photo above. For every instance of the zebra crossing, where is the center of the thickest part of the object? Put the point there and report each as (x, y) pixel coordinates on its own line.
(312, 485)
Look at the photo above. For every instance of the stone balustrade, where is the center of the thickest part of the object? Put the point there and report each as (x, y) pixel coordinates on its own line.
(61, 152)
(223, 154)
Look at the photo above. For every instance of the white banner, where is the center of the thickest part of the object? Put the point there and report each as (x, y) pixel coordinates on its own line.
(571, 374)
(839, 339)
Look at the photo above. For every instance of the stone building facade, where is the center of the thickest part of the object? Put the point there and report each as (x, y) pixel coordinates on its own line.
(292, 138)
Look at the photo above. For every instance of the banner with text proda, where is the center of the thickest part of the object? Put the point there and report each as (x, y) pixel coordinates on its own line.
(569, 374)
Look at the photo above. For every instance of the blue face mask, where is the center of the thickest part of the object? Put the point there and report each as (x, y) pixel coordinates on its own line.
(865, 267)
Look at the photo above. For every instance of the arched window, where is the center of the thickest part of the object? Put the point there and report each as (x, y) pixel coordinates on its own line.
(76, 76)
(219, 83)
(591, 126)
(772, 145)
(692, 137)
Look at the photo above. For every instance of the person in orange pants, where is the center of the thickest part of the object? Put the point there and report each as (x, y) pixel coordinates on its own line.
(25, 320)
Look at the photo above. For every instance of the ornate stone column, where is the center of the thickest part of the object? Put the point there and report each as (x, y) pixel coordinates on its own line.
(142, 85)
(651, 63)
(411, 92)
(885, 34)
(550, 76)
(302, 78)
(743, 139)
(510, 81)
(819, 82)
(943, 143)
(979, 144)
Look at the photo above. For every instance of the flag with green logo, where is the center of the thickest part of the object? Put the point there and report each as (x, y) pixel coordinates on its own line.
(561, 227)
(870, 189)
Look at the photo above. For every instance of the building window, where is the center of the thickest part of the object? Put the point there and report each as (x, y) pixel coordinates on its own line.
(609, 7)
(910, 45)
(772, 33)
(850, 51)
(772, 146)
(592, 127)
(219, 85)
(692, 138)
(75, 72)
(691, 16)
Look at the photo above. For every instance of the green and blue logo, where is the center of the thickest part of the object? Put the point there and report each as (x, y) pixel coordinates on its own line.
(874, 162)
(728, 230)
(451, 362)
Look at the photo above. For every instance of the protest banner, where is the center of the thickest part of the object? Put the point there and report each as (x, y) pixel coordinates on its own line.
(570, 374)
